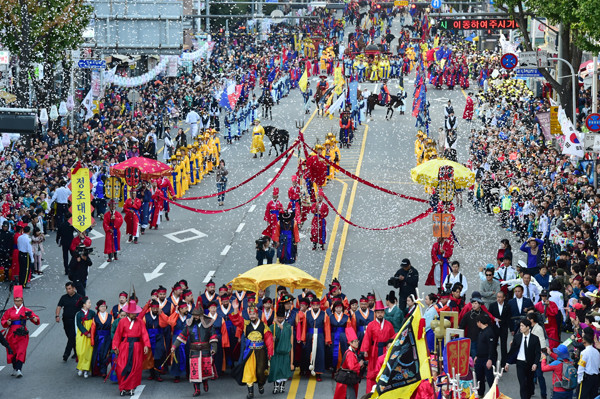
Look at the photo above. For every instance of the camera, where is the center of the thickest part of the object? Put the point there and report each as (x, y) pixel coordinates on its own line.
(260, 243)
(394, 282)
(28, 314)
(82, 250)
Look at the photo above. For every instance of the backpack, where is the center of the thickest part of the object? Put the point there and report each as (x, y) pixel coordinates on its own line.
(569, 377)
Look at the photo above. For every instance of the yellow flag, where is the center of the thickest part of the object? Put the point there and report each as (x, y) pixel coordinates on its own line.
(406, 362)
(338, 80)
(303, 81)
(81, 199)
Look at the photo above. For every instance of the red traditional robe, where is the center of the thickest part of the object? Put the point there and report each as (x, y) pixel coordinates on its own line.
(374, 342)
(350, 363)
(157, 206)
(550, 325)
(468, 114)
(17, 343)
(318, 228)
(87, 241)
(445, 251)
(296, 204)
(271, 217)
(131, 209)
(112, 232)
(130, 339)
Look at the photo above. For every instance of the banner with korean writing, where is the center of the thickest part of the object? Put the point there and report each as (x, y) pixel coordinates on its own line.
(81, 200)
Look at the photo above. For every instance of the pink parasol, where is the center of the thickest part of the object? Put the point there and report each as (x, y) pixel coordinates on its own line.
(149, 168)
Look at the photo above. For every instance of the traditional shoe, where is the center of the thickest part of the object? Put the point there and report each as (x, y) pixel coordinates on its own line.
(282, 387)
(319, 379)
(176, 380)
(19, 374)
(205, 384)
(275, 388)
(79, 373)
(250, 392)
(261, 389)
(159, 378)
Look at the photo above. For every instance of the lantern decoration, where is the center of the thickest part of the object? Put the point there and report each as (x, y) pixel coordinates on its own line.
(62, 109)
(70, 103)
(53, 113)
(443, 219)
(43, 116)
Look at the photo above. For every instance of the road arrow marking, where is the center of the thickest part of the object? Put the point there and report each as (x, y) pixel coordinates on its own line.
(155, 273)
(95, 234)
(39, 330)
(44, 267)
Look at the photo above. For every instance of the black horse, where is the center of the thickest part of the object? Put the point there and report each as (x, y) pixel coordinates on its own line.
(278, 137)
(373, 100)
(266, 100)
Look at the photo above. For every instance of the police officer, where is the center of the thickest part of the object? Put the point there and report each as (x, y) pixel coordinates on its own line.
(486, 353)
(587, 372)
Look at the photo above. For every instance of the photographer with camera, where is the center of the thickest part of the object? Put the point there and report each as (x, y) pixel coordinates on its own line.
(264, 251)
(78, 268)
(15, 320)
(406, 280)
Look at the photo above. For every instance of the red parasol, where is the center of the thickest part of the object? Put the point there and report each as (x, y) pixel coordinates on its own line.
(149, 168)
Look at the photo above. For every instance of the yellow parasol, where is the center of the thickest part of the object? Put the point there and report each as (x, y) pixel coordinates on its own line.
(263, 276)
(427, 173)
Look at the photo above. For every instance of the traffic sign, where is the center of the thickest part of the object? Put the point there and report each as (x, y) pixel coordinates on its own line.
(592, 122)
(435, 4)
(528, 73)
(555, 129)
(401, 3)
(92, 64)
(509, 61)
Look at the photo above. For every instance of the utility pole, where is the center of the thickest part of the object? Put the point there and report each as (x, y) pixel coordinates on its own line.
(594, 110)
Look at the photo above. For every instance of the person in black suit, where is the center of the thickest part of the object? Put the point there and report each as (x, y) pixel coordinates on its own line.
(501, 311)
(518, 306)
(525, 352)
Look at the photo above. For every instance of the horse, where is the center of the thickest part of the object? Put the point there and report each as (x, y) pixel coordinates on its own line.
(266, 100)
(279, 137)
(320, 98)
(373, 100)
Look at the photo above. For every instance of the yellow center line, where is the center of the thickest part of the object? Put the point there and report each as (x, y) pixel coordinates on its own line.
(310, 388)
(334, 230)
(294, 385)
(338, 258)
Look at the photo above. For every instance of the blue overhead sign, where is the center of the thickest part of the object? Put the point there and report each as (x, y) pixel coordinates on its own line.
(92, 64)
(435, 4)
(528, 73)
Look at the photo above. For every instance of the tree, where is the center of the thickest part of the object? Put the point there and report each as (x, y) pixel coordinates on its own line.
(40, 31)
(577, 35)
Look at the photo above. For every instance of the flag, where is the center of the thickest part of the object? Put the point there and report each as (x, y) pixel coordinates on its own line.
(271, 76)
(573, 140)
(406, 363)
(303, 81)
(337, 105)
(353, 94)
(88, 103)
(224, 100)
(493, 393)
(233, 94)
(338, 80)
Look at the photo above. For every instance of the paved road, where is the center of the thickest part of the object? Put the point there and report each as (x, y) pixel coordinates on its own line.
(194, 246)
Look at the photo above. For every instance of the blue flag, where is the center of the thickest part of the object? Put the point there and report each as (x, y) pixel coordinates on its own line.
(271, 76)
(353, 93)
(224, 101)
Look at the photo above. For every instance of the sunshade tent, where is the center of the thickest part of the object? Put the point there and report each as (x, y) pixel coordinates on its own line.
(261, 277)
(427, 173)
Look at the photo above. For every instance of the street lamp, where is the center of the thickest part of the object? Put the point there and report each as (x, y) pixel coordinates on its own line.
(43, 116)
(62, 109)
(53, 113)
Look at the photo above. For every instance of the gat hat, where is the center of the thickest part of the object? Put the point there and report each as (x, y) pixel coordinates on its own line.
(561, 351)
(132, 308)
(280, 311)
(351, 334)
(405, 262)
(379, 305)
(477, 299)
(197, 311)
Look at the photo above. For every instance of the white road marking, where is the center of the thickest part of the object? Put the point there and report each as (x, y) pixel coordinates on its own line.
(252, 208)
(155, 273)
(95, 234)
(225, 250)
(103, 266)
(270, 180)
(196, 234)
(138, 391)
(240, 227)
(277, 169)
(209, 276)
(39, 330)
(1, 368)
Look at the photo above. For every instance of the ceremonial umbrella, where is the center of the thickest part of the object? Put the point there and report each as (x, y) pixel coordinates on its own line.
(288, 276)
(427, 173)
(149, 168)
